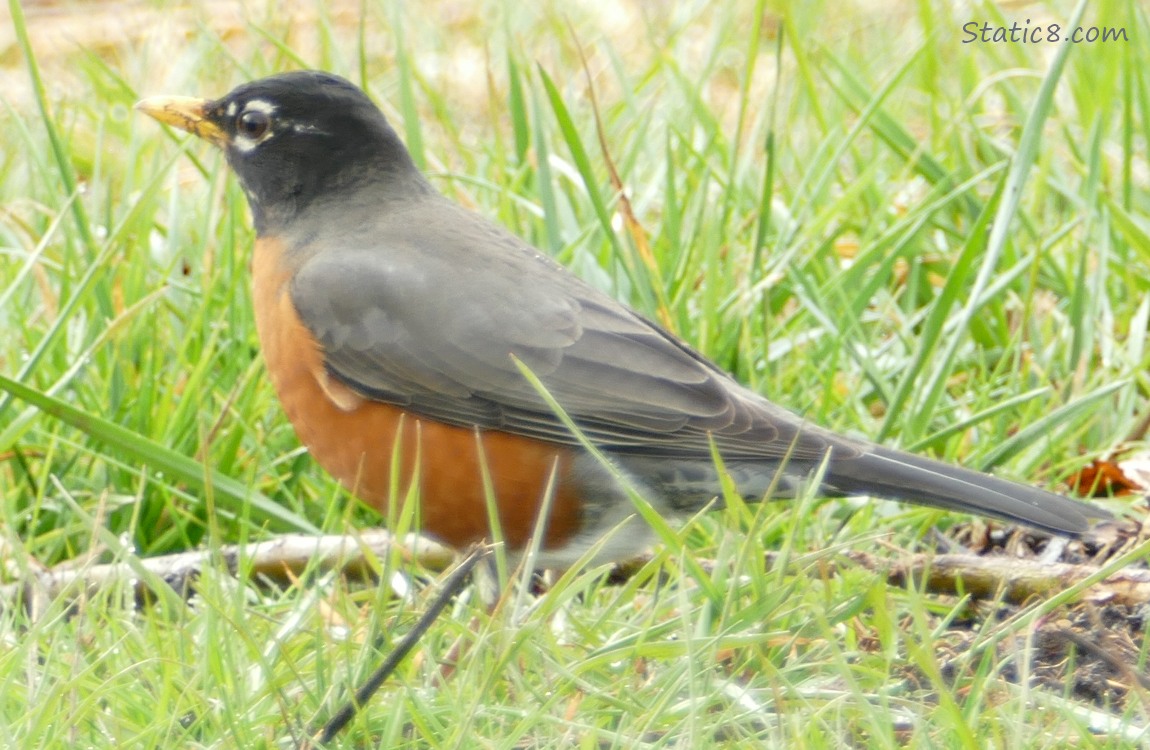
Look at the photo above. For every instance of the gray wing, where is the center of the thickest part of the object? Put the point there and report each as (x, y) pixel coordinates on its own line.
(428, 318)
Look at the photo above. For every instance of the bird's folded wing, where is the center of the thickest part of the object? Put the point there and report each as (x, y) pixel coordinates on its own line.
(430, 323)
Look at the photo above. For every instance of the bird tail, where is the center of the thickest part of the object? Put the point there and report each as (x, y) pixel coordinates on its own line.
(902, 476)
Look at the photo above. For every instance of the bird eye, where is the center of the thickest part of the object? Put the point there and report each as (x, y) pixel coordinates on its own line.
(253, 123)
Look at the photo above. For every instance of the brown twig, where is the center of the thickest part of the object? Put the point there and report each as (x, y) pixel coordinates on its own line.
(1009, 579)
(278, 559)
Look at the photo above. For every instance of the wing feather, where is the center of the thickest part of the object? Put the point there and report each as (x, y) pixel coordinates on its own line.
(428, 320)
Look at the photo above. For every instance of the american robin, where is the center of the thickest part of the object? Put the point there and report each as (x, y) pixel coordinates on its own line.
(388, 313)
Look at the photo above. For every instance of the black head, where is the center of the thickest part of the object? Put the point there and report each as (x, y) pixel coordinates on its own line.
(298, 140)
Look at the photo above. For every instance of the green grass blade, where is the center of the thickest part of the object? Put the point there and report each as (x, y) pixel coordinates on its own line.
(229, 494)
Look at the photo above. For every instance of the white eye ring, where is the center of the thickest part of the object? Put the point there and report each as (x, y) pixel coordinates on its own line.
(253, 124)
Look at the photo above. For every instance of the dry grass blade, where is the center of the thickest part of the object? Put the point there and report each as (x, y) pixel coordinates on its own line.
(634, 226)
(452, 586)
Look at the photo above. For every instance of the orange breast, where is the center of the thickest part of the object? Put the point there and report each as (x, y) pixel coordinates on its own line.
(354, 439)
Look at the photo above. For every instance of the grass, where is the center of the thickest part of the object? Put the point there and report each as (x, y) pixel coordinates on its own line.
(937, 244)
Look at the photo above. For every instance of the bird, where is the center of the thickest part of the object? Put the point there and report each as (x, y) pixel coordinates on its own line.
(402, 333)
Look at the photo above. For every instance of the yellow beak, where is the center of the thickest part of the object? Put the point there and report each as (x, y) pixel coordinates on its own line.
(185, 113)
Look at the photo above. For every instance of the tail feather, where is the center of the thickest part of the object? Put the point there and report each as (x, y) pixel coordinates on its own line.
(901, 476)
